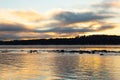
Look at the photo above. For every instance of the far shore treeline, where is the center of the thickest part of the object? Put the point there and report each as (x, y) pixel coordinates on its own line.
(83, 40)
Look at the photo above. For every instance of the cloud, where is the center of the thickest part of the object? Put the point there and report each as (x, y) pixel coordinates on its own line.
(12, 27)
(21, 16)
(109, 8)
(109, 4)
(23, 35)
(29, 15)
(105, 27)
(74, 17)
(93, 27)
(59, 23)
(113, 4)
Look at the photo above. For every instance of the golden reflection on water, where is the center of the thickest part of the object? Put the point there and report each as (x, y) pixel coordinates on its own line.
(50, 66)
(26, 66)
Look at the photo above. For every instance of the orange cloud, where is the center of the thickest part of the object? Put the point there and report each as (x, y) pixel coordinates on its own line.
(113, 3)
(29, 15)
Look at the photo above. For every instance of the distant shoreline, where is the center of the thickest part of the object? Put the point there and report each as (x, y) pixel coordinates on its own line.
(88, 46)
(83, 40)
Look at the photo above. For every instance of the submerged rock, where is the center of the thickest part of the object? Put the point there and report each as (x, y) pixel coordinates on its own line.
(33, 51)
(101, 54)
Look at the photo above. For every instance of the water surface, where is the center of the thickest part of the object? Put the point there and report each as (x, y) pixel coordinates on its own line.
(19, 64)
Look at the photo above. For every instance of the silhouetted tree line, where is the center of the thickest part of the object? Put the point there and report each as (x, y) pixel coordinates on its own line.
(83, 40)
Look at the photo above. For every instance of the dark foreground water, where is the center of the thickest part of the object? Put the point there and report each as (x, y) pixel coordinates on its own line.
(16, 63)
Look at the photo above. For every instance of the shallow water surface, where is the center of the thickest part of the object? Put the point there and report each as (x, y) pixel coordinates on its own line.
(58, 66)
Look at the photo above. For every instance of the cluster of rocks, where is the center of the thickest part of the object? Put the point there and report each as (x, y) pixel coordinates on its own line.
(101, 52)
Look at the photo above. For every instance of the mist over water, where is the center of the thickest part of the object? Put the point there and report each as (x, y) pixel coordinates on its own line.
(19, 64)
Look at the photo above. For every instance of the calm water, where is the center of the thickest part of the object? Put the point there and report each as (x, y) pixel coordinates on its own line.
(18, 64)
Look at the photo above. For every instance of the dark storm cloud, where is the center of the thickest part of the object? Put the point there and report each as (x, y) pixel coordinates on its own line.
(12, 27)
(105, 27)
(9, 36)
(74, 29)
(74, 17)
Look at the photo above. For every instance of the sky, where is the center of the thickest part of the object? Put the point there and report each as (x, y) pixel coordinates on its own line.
(37, 19)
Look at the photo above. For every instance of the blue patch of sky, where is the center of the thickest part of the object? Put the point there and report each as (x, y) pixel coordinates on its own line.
(44, 5)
